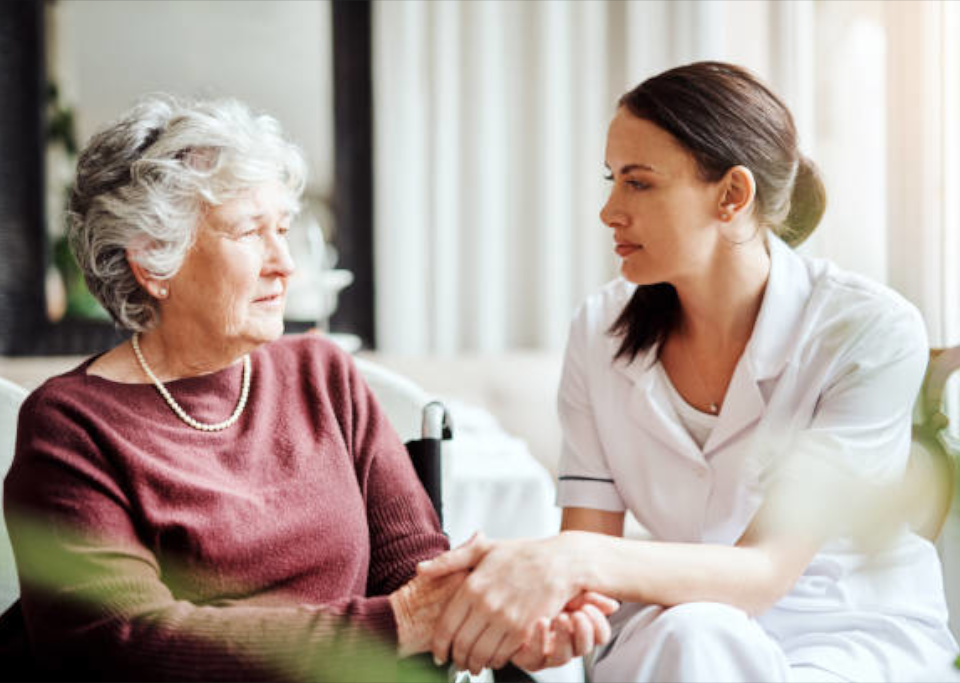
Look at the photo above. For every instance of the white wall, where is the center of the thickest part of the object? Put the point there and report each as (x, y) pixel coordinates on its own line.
(275, 55)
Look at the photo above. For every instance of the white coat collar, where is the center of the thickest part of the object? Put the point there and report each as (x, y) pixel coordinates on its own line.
(787, 291)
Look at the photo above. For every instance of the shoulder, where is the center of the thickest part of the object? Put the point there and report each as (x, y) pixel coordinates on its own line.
(600, 309)
(590, 344)
(71, 393)
(865, 312)
(305, 352)
(57, 424)
(861, 324)
(310, 364)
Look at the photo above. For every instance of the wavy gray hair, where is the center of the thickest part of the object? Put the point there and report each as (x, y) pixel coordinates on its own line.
(144, 181)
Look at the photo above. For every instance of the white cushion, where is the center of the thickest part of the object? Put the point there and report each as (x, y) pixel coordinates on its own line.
(11, 396)
(400, 398)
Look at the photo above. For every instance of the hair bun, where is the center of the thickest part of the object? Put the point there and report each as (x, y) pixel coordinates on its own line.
(808, 202)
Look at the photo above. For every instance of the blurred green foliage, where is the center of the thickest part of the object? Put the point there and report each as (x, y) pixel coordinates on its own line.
(51, 558)
(60, 123)
(61, 131)
(80, 302)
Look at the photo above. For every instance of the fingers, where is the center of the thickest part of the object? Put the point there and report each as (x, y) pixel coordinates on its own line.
(447, 626)
(549, 641)
(466, 639)
(483, 652)
(582, 634)
(533, 654)
(601, 627)
(461, 558)
(607, 606)
(509, 644)
(562, 650)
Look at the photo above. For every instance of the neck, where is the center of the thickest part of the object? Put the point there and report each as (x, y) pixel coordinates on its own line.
(175, 356)
(720, 304)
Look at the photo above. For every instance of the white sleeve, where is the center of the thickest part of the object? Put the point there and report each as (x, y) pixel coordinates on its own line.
(867, 409)
(844, 468)
(585, 480)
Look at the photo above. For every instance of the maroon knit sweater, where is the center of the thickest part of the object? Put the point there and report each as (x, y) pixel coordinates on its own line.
(149, 550)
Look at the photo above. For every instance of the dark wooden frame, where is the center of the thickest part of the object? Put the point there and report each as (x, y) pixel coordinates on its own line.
(353, 133)
(22, 232)
(24, 256)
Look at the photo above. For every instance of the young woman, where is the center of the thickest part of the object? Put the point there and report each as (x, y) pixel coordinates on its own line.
(748, 405)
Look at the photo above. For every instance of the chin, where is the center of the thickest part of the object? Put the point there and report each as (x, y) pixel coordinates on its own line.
(265, 331)
(274, 331)
(638, 277)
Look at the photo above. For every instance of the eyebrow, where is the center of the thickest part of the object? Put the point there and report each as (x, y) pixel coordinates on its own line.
(635, 167)
(285, 213)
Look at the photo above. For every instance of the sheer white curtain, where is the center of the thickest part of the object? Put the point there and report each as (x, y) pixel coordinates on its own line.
(490, 120)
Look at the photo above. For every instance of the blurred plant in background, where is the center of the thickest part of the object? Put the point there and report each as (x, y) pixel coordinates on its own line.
(66, 292)
(56, 560)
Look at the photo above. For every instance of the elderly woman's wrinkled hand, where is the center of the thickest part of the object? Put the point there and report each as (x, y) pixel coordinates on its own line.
(417, 605)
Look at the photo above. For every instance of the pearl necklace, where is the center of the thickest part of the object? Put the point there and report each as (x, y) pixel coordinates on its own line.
(180, 412)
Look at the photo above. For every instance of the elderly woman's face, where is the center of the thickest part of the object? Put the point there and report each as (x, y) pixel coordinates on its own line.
(233, 283)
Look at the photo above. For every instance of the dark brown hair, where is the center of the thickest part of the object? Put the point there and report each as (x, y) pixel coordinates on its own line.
(724, 116)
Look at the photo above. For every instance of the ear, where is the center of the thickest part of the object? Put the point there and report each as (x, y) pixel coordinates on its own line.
(737, 191)
(158, 289)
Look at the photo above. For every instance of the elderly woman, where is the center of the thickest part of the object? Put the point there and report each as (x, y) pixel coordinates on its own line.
(198, 502)
(208, 500)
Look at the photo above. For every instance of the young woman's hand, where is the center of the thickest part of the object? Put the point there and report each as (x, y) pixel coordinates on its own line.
(464, 557)
(576, 631)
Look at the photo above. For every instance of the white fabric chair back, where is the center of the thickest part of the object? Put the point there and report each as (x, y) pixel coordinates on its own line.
(11, 396)
(401, 399)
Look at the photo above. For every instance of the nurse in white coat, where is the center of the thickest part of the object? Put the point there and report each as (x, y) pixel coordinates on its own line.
(751, 407)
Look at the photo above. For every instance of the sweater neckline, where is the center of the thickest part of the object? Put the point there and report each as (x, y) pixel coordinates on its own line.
(198, 381)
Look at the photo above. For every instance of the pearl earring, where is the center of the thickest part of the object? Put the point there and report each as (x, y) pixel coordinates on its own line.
(163, 291)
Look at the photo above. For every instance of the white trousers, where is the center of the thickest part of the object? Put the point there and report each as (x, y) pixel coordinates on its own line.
(715, 642)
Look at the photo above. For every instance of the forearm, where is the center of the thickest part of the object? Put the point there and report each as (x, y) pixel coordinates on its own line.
(132, 634)
(674, 573)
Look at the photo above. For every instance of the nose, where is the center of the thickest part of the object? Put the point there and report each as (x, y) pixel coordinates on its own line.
(610, 213)
(278, 261)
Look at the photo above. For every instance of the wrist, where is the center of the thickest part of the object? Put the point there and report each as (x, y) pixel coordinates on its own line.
(406, 633)
(579, 553)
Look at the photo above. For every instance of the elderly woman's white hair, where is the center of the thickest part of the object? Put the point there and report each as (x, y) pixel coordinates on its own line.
(144, 181)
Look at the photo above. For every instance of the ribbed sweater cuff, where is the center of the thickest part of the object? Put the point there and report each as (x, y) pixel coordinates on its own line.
(377, 615)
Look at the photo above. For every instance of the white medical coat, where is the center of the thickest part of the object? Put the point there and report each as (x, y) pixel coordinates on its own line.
(834, 359)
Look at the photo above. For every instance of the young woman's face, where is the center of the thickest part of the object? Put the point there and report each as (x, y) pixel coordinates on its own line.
(233, 283)
(663, 215)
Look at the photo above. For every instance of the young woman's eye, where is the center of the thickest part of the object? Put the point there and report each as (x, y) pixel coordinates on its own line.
(637, 184)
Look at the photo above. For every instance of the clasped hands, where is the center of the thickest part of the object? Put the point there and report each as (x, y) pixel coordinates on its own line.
(489, 602)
